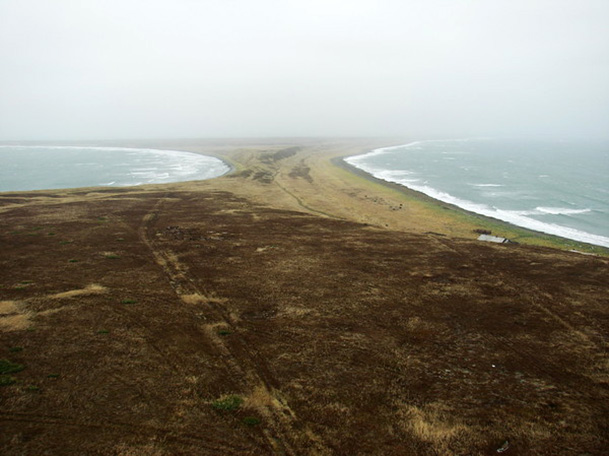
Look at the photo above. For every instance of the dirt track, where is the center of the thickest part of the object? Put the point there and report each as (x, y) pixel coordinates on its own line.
(135, 312)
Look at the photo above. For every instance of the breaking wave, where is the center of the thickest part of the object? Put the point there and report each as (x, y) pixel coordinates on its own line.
(45, 167)
(523, 218)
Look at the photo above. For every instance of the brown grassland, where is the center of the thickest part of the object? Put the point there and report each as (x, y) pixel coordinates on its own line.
(292, 307)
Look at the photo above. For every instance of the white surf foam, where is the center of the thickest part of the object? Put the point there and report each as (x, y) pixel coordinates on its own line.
(561, 210)
(158, 166)
(519, 218)
(353, 159)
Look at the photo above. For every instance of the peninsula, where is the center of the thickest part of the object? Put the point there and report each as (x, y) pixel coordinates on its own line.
(294, 306)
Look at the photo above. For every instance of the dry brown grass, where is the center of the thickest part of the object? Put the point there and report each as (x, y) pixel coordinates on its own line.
(197, 298)
(435, 424)
(17, 322)
(341, 338)
(91, 289)
(150, 449)
(13, 316)
(8, 307)
(261, 400)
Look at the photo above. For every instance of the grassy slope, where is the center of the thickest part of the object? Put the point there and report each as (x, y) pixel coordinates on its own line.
(255, 314)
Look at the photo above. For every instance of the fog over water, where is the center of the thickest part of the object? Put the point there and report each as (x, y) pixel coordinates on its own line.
(110, 69)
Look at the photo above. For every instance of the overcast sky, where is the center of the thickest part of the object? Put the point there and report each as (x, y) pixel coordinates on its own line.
(112, 69)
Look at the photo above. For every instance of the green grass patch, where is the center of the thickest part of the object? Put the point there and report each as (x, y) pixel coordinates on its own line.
(251, 421)
(223, 332)
(120, 239)
(53, 376)
(32, 389)
(128, 301)
(103, 331)
(8, 367)
(51, 234)
(72, 261)
(6, 380)
(112, 257)
(15, 349)
(228, 403)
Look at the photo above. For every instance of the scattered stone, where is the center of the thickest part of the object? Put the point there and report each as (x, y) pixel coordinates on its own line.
(503, 448)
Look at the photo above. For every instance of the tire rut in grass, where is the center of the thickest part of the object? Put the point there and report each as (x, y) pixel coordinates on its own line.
(245, 368)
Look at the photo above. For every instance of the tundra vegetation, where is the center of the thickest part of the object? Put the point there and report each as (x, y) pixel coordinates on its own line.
(290, 308)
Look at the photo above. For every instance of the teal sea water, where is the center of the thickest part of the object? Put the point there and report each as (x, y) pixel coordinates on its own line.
(54, 167)
(559, 188)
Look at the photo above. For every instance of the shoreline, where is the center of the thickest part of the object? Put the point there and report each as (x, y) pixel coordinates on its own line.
(562, 240)
(142, 150)
(350, 196)
(180, 308)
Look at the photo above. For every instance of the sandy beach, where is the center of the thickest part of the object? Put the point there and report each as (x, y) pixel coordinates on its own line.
(314, 178)
(295, 306)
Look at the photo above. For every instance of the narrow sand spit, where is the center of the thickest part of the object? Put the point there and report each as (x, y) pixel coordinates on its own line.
(293, 307)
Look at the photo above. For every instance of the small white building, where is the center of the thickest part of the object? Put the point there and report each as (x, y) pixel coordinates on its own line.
(495, 239)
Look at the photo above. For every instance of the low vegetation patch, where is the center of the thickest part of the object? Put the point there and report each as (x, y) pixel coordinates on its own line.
(228, 403)
(251, 421)
(6, 380)
(8, 367)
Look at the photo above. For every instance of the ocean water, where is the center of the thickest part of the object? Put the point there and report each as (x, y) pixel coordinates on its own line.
(559, 188)
(53, 167)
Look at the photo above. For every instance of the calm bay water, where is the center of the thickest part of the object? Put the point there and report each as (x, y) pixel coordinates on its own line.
(53, 167)
(559, 188)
